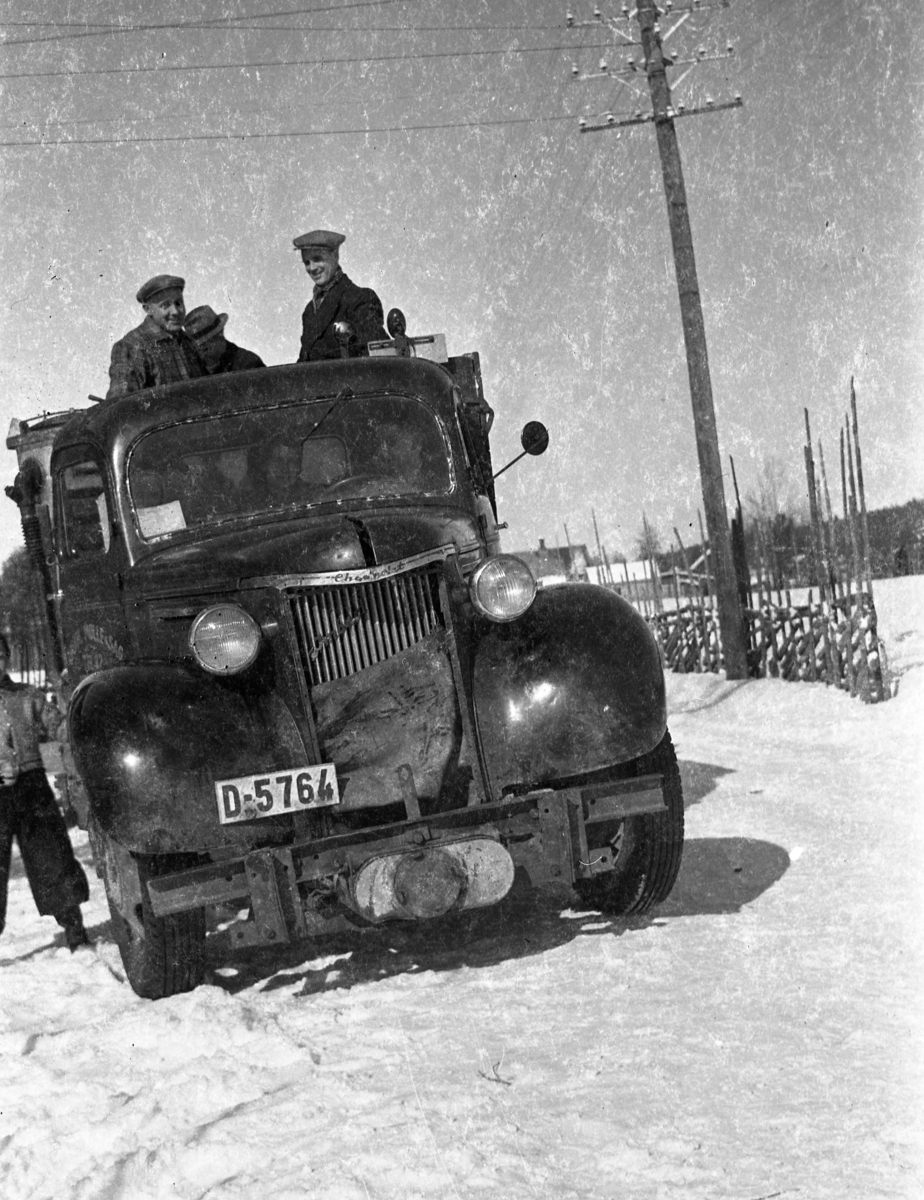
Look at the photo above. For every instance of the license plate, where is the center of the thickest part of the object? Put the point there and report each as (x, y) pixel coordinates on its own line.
(280, 792)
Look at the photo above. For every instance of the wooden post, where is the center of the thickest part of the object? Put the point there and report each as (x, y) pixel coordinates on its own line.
(759, 571)
(706, 553)
(653, 566)
(813, 508)
(852, 516)
(829, 515)
(599, 547)
(694, 333)
(864, 523)
(694, 627)
(857, 614)
(874, 658)
(833, 567)
(633, 594)
(606, 563)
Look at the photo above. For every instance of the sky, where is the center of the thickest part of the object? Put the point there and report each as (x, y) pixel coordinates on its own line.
(445, 143)
(759, 1034)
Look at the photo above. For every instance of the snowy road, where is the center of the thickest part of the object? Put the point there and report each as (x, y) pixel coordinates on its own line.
(759, 1036)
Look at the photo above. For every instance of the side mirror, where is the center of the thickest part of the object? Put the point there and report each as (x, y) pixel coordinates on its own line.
(534, 439)
(395, 323)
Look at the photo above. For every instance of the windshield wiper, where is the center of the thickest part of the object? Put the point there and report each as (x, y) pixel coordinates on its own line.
(344, 394)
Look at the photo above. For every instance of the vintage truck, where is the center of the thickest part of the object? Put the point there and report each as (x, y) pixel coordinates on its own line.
(303, 684)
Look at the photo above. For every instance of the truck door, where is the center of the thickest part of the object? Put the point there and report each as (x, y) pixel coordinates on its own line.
(89, 598)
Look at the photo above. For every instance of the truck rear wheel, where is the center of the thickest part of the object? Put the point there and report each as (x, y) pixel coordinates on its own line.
(648, 847)
(161, 955)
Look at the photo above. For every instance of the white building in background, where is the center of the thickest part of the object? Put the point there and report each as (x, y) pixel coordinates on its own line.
(556, 564)
(564, 564)
(639, 571)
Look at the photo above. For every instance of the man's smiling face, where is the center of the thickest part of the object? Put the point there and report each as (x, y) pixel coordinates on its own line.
(320, 264)
(168, 312)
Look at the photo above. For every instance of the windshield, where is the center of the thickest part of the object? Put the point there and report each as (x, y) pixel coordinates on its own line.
(216, 468)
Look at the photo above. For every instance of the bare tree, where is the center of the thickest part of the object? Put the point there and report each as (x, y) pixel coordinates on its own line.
(648, 541)
(775, 508)
(20, 610)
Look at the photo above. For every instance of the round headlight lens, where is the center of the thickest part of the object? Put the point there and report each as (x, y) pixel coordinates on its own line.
(502, 587)
(224, 639)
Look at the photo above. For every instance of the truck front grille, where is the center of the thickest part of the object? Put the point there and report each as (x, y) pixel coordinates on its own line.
(342, 630)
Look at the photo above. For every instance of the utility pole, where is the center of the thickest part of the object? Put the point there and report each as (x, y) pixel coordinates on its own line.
(731, 620)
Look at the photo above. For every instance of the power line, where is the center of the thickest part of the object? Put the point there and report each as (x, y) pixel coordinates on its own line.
(101, 29)
(303, 133)
(560, 27)
(182, 26)
(297, 62)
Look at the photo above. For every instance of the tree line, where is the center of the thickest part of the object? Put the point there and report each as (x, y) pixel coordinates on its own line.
(782, 538)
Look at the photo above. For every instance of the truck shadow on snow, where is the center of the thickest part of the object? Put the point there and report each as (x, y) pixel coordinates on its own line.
(699, 779)
(722, 875)
(718, 876)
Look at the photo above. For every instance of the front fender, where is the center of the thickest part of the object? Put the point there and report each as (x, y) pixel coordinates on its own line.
(574, 685)
(149, 740)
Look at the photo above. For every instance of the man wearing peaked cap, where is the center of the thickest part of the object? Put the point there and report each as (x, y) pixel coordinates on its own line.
(157, 350)
(336, 301)
(207, 329)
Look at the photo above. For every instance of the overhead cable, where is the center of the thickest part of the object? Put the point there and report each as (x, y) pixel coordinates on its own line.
(294, 62)
(299, 133)
(104, 28)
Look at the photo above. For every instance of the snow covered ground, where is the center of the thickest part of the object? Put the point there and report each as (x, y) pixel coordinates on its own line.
(758, 1036)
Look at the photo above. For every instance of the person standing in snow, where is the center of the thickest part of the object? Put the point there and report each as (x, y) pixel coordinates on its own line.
(29, 812)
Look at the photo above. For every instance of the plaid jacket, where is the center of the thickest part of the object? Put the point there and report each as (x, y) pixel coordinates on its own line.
(31, 720)
(148, 355)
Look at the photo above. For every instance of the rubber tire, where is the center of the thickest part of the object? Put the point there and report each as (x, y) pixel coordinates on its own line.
(162, 956)
(647, 867)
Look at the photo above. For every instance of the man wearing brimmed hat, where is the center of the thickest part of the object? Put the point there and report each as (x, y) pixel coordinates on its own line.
(336, 301)
(207, 329)
(157, 351)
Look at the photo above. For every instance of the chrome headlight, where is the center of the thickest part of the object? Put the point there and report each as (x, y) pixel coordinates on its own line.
(502, 587)
(224, 639)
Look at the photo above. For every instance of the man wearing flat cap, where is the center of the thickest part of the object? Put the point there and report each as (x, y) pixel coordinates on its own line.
(336, 301)
(157, 351)
(207, 329)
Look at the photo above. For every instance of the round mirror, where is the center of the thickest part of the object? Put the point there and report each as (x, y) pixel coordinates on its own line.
(535, 438)
(395, 323)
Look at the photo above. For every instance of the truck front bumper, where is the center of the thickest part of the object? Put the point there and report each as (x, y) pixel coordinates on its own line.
(414, 869)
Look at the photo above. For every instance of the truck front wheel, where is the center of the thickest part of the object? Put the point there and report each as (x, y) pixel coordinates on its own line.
(647, 847)
(161, 955)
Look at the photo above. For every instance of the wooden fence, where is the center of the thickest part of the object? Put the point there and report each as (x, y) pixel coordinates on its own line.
(829, 637)
(811, 642)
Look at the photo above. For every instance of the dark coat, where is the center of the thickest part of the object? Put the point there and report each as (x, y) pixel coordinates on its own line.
(236, 358)
(361, 307)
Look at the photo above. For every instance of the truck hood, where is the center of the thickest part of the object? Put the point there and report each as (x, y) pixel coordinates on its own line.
(302, 547)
